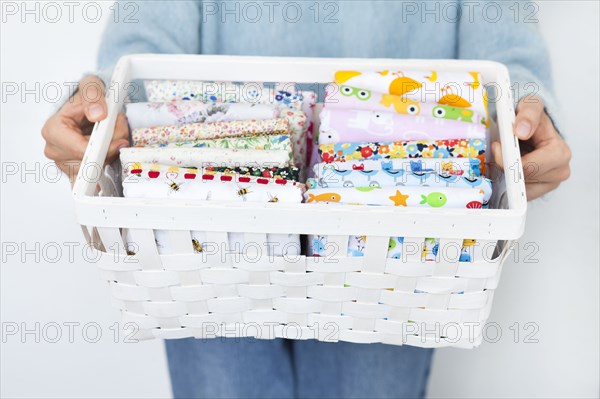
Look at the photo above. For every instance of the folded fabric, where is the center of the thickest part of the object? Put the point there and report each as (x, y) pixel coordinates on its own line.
(168, 174)
(435, 197)
(234, 244)
(263, 142)
(198, 131)
(341, 152)
(319, 246)
(151, 114)
(202, 157)
(175, 185)
(220, 92)
(333, 178)
(455, 89)
(348, 97)
(345, 125)
(397, 168)
(286, 173)
(294, 105)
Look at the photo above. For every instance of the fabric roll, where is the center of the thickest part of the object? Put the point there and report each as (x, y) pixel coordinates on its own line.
(421, 196)
(347, 97)
(263, 142)
(469, 167)
(151, 114)
(198, 131)
(454, 89)
(202, 157)
(345, 125)
(342, 152)
(166, 173)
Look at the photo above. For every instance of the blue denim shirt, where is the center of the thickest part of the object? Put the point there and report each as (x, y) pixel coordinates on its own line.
(494, 30)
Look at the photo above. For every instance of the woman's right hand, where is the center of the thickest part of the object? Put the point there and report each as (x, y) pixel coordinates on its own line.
(67, 132)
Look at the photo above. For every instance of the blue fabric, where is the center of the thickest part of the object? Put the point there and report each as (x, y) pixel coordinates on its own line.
(245, 368)
(363, 29)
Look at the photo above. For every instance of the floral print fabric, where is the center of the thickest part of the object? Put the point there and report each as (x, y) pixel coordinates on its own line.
(198, 131)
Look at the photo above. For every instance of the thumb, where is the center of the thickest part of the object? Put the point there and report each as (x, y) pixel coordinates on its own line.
(529, 114)
(91, 91)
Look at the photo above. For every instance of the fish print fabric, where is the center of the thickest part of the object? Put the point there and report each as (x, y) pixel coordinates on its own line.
(420, 196)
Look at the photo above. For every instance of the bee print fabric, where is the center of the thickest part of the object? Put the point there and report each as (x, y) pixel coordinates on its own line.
(345, 125)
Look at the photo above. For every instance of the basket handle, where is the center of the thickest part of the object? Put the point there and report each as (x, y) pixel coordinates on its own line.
(90, 172)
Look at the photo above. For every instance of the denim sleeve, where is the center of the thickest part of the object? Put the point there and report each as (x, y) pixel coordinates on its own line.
(171, 27)
(508, 32)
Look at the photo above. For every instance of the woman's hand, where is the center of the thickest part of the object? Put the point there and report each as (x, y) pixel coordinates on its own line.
(67, 132)
(545, 155)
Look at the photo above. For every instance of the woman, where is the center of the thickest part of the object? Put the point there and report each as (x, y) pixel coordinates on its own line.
(451, 29)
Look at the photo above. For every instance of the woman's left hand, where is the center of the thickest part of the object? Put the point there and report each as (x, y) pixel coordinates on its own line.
(545, 155)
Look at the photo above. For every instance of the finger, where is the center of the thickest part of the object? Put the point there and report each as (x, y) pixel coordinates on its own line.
(559, 174)
(536, 190)
(120, 138)
(67, 138)
(91, 92)
(529, 115)
(497, 153)
(552, 155)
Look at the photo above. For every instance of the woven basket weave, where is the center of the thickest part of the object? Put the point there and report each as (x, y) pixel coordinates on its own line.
(358, 299)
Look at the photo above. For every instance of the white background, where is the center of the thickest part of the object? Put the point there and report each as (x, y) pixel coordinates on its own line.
(558, 292)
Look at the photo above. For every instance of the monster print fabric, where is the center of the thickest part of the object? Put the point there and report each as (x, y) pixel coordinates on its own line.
(420, 196)
(344, 125)
(347, 97)
(454, 89)
(197, 131)
(151, 114)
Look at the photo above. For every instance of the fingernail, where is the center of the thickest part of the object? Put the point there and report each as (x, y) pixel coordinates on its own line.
(523, 129)
(95, 110)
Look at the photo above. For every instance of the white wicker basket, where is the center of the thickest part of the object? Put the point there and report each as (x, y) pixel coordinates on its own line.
(359, 299)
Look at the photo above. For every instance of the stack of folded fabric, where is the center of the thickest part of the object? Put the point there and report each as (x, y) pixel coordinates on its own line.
(241, 149)
(402, 138)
